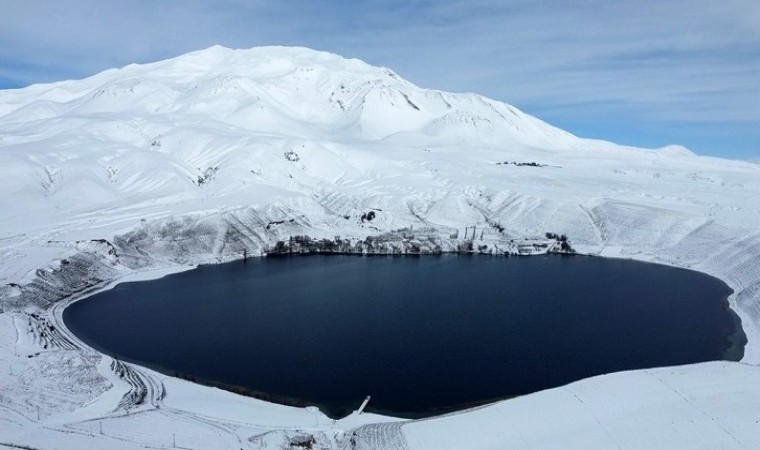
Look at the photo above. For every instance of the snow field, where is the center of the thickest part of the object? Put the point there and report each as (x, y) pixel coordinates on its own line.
(149, 169)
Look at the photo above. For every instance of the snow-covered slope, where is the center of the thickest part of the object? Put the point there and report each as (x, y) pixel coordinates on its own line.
(153, 168)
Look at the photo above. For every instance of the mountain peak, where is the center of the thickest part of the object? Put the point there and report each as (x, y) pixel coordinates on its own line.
(258, 56)
(285, 91)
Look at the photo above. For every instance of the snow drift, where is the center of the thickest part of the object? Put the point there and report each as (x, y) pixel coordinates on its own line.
(139, 171)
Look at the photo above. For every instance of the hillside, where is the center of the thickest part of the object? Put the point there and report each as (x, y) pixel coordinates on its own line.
(148, 169)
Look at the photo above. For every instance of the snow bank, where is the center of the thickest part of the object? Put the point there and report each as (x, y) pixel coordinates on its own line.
(154, 168)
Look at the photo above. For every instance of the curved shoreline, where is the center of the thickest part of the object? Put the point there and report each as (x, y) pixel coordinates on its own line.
(57, 309)
(750, 328)
(185, 398)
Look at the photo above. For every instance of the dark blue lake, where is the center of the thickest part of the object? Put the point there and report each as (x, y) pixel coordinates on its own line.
(422, 335)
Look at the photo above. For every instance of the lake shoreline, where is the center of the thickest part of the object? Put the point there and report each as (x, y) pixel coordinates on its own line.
(296, 401)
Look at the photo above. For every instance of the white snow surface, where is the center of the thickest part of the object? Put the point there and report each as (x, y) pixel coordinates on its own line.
(148, 169)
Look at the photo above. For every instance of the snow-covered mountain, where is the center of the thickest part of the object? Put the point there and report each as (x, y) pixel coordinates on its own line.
(218, 122)
(147, 169)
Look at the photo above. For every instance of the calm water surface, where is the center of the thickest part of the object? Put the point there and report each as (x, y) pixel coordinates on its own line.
(422, 335)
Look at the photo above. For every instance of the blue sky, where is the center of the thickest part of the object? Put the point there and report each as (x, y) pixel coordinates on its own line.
(645, 73)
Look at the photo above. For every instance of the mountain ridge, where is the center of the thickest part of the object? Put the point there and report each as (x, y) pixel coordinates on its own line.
(151, 169)
(307, 85)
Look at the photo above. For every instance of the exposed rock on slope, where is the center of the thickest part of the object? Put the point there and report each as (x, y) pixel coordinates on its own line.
(218, 153)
